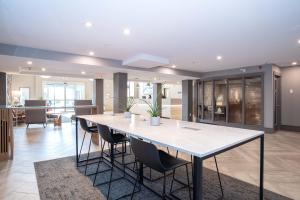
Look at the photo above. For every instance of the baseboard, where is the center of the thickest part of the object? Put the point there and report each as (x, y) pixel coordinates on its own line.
(4, 156)
(269, 130)
(290, 128)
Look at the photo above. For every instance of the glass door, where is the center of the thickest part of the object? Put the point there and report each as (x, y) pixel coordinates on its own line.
(200, 99)
(208, 100)
(220, 100)
(253, 101)
(235, 100)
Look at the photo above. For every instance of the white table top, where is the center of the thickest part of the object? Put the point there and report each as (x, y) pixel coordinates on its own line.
(194, 138)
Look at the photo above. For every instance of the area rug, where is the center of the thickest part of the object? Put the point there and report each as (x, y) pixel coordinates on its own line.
(61, 179)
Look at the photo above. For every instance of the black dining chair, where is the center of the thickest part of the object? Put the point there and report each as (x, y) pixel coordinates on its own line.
(86, 129)
(112, 139)
(148, 154)
(216, 164)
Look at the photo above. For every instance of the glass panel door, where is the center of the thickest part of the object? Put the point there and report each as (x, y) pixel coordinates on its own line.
(220, 100)
(208, 100)
(253, 101)
(235, 100)
(200, 100)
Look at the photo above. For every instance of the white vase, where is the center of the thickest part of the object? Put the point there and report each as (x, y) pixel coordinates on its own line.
(155, 121)
(127, 114)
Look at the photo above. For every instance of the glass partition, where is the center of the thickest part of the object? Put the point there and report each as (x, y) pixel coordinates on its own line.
(253, 101)
(220, 100)
(235, 100)
(208, 100)
(200, 99)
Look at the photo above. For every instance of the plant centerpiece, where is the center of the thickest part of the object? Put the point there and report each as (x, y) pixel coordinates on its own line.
(129, 105)
(154, 111)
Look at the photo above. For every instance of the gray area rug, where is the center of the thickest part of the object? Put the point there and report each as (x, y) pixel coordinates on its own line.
(61, 179)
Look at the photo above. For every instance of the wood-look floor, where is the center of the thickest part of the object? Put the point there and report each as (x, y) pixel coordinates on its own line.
(282, 160)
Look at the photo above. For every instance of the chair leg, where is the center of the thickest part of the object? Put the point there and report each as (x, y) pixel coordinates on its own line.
(109, 185)
(102, 147)
(219, 176)
(171, 188)
(27, 126)
(135, 182)
(164, 187)
(81, 145)
(88, 156)
(188, 180)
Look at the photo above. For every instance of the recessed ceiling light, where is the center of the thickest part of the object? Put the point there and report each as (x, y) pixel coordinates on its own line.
(83, 72)
(154, 78)
(43, 69)
(91, 53)
(29, 62)
(294, 63)
(91, 79)
(126, 31)
(173, 66)
(88, 24)
(299, 41)
(45, 76)
(219, 57)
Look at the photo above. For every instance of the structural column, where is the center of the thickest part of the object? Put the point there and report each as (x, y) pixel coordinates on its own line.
(157, 95)
(98, 95)
(120, 92)
(187, 100)
(3, 94)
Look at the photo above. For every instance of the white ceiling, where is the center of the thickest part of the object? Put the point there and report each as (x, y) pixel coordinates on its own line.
(188, 33)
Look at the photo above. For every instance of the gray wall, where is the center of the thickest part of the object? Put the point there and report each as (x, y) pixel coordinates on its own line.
(120, 92)
(290, 102)
(187, 100)
(98, 95)
(2, 89)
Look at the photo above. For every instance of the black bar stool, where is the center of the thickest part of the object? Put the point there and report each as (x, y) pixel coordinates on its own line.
(87, 129)
(113, 139)
(147, 154)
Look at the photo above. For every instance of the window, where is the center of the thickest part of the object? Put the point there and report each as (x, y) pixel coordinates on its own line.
(24, 95)
(63, 94)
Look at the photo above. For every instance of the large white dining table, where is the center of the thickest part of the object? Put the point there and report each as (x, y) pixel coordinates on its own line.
(200, 140)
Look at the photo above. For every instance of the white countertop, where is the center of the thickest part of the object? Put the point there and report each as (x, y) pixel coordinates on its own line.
(194, 138)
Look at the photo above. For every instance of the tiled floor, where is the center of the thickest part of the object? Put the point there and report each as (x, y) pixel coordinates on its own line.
(282, 160)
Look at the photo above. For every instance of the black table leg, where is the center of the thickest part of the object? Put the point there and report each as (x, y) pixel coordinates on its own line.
(261, 171)
(197, 179)
(76, 129)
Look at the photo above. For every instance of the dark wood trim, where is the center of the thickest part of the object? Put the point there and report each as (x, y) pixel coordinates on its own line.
(290, 128)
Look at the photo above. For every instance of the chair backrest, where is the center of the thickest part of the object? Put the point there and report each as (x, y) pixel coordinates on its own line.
(35, 116)
(83, 124)
(83, 111)
(105, 133)
(146, 153)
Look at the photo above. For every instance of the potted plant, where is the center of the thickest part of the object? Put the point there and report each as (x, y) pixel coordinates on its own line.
(154, 111)
(129, 105)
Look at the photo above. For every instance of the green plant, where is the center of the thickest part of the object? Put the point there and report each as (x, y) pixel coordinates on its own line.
(130, 104)
(154, 108)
